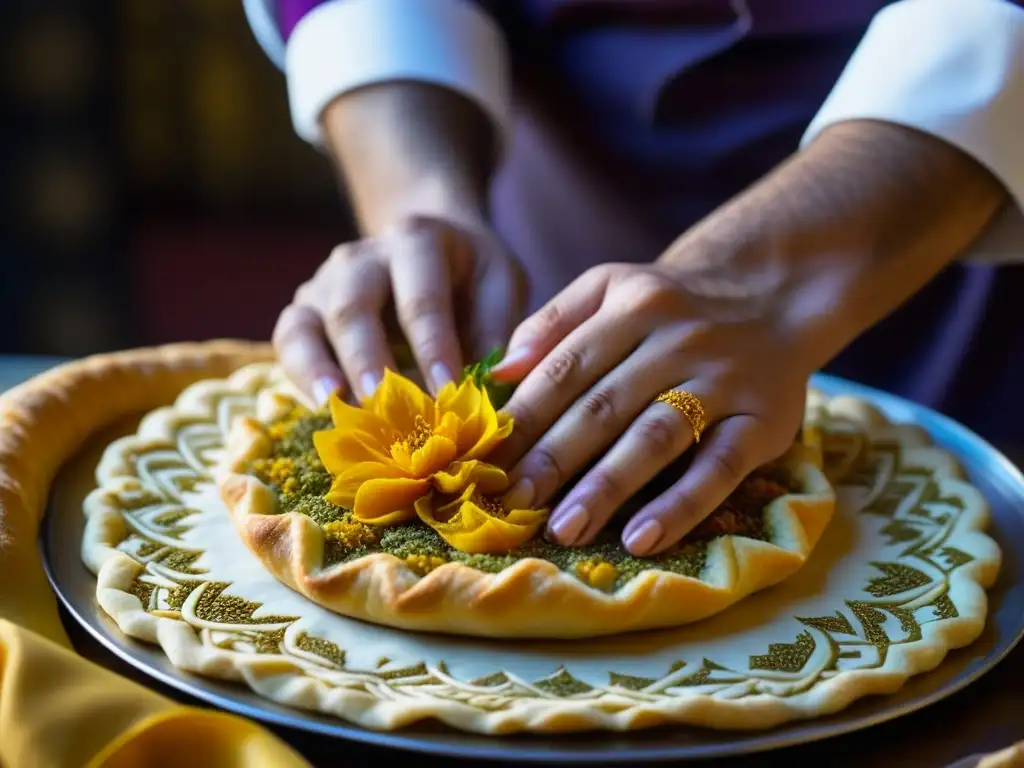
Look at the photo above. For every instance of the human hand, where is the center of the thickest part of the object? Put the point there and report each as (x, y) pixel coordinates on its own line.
(592, 363)
(449, 286)
(739, 311)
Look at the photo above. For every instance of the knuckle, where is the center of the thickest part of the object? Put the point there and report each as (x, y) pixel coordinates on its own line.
(544, 464)
(696, 333)
(602, 272)
(526, 426)
(418, 230)
(563, 367)
(305, 293)
(649, 294)
(347, 255)
(680, 515)
(340, 315)
(729, 462)
(419, 307)
(547, 320)
(607, 485)
(418, 225)
(292, 321)
(599, 405)
(342, 253)
(660, 434)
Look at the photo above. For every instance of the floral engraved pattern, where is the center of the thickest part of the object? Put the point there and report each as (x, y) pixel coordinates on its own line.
(902, 503)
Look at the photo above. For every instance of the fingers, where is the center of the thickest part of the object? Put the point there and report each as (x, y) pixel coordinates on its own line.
(731, 451)
(496, 307)
(301, 346)
(653, 437)
(539, 334)
(414, 269)
(423, 299)
(564, 376)
(352, 318)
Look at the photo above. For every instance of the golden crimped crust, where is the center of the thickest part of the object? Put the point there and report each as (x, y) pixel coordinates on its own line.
(530, 599)
(45, 420)
(292, 679)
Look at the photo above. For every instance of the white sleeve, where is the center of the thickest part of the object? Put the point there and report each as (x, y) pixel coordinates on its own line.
(260, 15)
(345, 44)
(953, 69)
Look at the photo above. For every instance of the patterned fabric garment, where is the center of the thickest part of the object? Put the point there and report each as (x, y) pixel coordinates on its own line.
(635, 118)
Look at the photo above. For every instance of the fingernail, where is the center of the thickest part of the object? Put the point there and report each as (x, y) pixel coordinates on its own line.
(439, 376)
(369, 382)
(323, 388)
(520, 495)
(513, 357)
(644, 538)
(568, 525)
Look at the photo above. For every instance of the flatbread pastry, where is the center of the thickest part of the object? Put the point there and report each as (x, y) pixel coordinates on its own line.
(410, 532)
(897, 579)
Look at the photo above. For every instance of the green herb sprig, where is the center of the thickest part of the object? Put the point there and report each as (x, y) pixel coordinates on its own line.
(480, 372)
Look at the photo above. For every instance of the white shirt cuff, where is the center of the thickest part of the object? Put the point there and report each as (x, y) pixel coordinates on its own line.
(953, 69)
(347, 44)
(260, 15)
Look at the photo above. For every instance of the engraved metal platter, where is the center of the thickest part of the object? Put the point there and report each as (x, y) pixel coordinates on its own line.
(776, 653)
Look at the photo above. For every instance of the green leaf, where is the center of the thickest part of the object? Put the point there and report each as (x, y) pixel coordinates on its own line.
(480, 372)
(492, 358)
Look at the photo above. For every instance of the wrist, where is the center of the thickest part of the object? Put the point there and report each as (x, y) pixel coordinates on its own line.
(409, 148)
(844, 232)
(428, 196)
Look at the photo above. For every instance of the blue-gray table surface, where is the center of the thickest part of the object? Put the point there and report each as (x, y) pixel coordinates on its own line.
(985, 717)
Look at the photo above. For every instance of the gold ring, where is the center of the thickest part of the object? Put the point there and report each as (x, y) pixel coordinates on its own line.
(689, 405)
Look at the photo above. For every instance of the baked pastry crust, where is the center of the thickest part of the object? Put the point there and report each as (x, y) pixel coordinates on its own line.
(528, 599)
(870, 640)
(44, 421)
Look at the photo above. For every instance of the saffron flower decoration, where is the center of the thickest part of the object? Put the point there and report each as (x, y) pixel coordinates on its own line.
(477, 523)
(402, 444)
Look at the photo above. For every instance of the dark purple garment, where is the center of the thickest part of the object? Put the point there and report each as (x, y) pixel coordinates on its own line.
(635, 118)
(290, 13)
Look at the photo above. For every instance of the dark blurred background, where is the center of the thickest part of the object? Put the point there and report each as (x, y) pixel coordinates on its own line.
(153, 189)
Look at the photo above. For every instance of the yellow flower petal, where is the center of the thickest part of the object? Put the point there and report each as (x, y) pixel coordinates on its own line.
(398, 401)
(473, 408)
(488, 479)
(473, 530)
(402, 443)
(387, 501)
(348, 418)
(340, 449)
(495, 427)
(462, 400)
(436, 454)
(346, 485)
(449, 425)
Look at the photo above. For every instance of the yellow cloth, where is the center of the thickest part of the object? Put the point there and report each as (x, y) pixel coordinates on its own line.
(58, 710)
